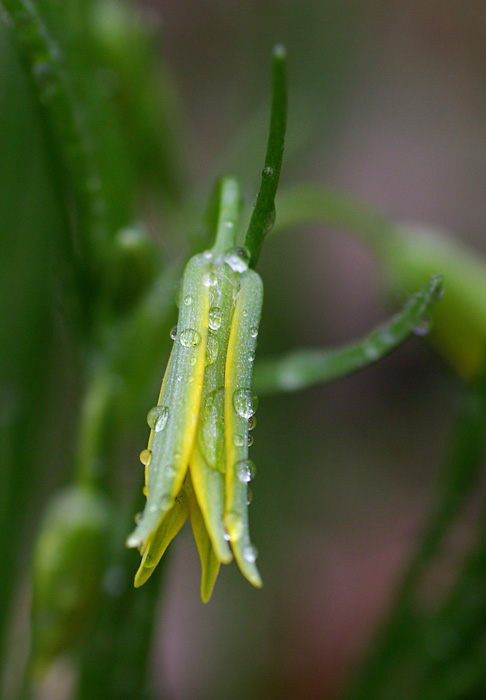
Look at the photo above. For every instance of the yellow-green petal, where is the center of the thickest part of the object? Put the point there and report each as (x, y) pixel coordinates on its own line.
(162, 537)
(209, 485)
(208, 462)
(240, 405)
(209, 562)
(171, 446)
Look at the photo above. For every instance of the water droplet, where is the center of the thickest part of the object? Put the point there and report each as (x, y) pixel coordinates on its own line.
(237, 259)
(251, 357)
(439, 290)
(215, 318)
(245, 471)
(268, 172)
(251, 440)
(238, 440)
(254, 332)
(244, 313)
(145, 456)
(245, 402)
(252, 422)
(157, 418)
(210, 279)
(227, 536)
(371, 352)
(269, 222)
(229, 224)
(212, 349)
(188, 300)
(190, 338)
(249, 496)
(211, 429)
(250, 553)
(234, 525)
(173, 333)
(138, 518)
(179, 377)
(423, 326)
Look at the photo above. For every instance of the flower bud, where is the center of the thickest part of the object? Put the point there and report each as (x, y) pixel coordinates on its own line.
(196, 462)
(67, 570)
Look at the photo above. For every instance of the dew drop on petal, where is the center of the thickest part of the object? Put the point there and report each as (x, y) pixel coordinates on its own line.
(188, 300)
(237, 259)
(215, 318)
(212, 349)
(190, 338)
(238, 440)
(254, 332)
(173, 333)
(157, 418)
(210, 279)
(245, 471)
(245, 402)
(145, 456)
(250, 553)
(251, 440)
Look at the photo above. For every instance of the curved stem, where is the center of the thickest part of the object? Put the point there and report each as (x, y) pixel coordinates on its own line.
(308, 204)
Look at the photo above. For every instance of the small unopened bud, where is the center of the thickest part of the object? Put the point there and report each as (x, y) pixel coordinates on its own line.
(67, 570)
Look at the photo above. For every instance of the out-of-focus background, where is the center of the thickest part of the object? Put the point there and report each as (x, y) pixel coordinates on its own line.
(387, 101)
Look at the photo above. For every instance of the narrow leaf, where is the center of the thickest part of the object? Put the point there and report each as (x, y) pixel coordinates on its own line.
(305, 368)
(263, 217)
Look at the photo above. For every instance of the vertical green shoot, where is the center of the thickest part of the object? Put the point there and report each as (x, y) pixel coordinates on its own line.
(263, 216)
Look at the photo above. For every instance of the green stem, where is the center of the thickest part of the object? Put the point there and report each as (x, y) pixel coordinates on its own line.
(95, 428)
(115, 657)
(263, 217)
(309, 204)
(229, 204)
